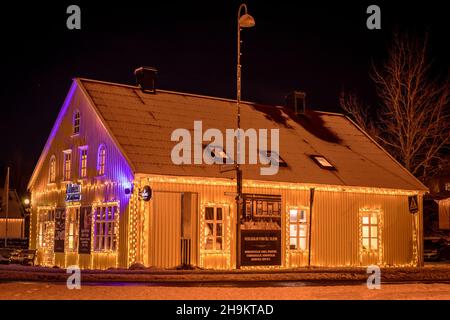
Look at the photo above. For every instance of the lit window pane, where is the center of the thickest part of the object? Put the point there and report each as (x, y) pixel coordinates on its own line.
(302, 231)
(219, 229)
(209, 229)
(373, 219)
(365, 231)
(219, 243)
(302, 243)
(293, 230)
(374, 244)
(293, 243)
(365, 220)
(365, 243)
(209, 244)
(293, 215)
(374, 231)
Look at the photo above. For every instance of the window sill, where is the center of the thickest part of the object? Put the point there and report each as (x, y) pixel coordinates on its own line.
(51, 184)
(75, 135)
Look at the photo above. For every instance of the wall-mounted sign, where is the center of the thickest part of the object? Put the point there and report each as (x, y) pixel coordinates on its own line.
(60, 229)
(260, 247)
(413, 204)
(84, 240)
(146, 193)
(73, 192)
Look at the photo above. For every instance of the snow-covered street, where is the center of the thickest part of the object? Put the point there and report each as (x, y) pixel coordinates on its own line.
(39, 290)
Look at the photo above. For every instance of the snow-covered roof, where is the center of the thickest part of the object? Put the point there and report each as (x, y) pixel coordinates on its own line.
(142, 124)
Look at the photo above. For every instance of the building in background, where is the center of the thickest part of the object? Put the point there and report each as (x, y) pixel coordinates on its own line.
(15, 218)
(440, 193)
(105, 192)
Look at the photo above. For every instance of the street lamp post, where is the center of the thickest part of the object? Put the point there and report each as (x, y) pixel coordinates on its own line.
(243, 21)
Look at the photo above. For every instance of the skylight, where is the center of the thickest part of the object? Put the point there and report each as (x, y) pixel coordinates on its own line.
(268, 154)
(322, 162)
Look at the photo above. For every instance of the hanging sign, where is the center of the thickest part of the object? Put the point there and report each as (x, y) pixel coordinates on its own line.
(413, 204)
(146, 193)
(73, 192)
(84, 240)
(60, 229)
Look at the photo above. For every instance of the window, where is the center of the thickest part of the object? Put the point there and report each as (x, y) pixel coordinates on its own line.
(45, 229)
(322, 162)
(369, 232)
(83, 162)
(214, 233)
(67, 164)
(298, 228)
(273, 156)
(73, 218)
(76, 122)
(447, 186)
(52, 170)
(101, 160)
(105, 237)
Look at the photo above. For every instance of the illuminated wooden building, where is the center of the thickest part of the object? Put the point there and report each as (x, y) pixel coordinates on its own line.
(338, 199)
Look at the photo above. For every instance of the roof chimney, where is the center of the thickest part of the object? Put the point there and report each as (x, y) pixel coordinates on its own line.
(146, 79)
(296, 101)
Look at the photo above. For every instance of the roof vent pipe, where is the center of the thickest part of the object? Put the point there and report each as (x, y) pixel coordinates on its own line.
(146, 79)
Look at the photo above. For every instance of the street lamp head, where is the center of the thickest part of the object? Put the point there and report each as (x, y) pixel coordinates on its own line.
(246, 21)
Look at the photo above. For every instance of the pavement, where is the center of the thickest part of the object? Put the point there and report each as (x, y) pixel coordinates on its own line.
(118, 291)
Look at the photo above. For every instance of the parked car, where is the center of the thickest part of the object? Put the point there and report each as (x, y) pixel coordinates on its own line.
(436, 249)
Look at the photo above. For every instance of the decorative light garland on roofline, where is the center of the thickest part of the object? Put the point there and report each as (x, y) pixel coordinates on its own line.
(276, 185)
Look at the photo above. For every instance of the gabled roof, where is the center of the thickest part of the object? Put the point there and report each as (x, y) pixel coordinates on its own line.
(142, 125)
(15, 210)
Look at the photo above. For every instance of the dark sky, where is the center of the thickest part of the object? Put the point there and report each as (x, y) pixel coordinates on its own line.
(320, 47)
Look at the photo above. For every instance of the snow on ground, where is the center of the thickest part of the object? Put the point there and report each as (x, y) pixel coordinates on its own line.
(39, 290)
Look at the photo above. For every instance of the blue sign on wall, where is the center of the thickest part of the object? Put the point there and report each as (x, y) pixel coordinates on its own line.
(73, 192)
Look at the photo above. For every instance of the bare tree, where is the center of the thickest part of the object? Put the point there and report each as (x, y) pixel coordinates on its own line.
(413, 118)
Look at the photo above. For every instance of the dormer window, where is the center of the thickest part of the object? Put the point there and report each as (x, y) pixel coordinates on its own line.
(322, 162)
(76, 122)
(101, 160)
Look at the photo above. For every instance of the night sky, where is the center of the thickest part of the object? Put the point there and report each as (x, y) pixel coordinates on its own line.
(315, 46)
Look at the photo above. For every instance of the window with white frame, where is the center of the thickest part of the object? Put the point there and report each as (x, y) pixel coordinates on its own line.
(214, 228)
(298, 229)
(369, 232)
(52, 169)
(83, 162)
(76, 122)
(67, 164)
(72, 224)
(101, 160)
(105, 236)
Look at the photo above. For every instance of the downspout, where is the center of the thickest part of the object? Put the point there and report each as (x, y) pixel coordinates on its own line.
(311, 202)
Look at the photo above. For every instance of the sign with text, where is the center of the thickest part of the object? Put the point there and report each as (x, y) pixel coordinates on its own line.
(260, 247)
(73, 192)
(84, 240)
(60, 229)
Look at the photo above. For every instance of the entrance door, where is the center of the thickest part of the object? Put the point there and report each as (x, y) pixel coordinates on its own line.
(165, 230)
